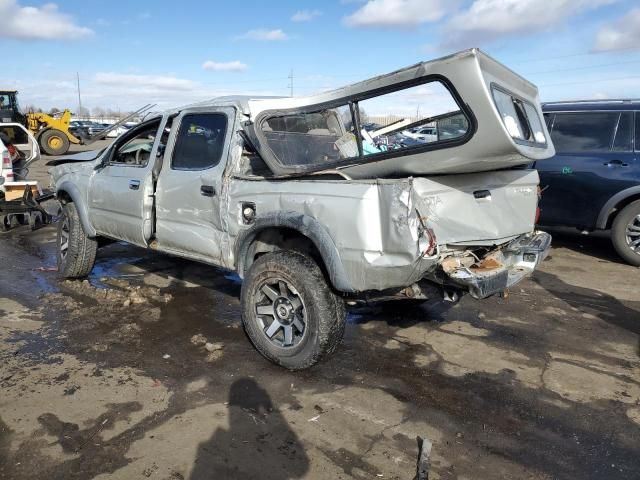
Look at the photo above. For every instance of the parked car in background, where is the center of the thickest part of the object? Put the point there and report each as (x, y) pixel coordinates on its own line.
(593, 182)
(116, 132)
(422, 134)
(85, 128)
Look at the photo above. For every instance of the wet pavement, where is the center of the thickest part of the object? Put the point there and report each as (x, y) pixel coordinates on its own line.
(144, 371)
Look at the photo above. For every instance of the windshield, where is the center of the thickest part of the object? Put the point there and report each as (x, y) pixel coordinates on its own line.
(9, 101)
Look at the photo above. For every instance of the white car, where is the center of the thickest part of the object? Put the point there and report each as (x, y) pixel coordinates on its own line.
(422, 134)
(116, 132)
(18, 146)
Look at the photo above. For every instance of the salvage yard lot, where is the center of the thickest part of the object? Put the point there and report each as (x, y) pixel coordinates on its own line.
(144, 371)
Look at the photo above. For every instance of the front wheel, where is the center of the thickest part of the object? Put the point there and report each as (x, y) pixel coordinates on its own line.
(76, 252)
(289, 312)
(625, 233)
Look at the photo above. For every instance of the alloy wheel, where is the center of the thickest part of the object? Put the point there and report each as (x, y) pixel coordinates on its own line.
(633, 234)
(64, 237)
(280, 312)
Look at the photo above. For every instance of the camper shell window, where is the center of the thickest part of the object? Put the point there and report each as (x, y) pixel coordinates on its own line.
(372, 126)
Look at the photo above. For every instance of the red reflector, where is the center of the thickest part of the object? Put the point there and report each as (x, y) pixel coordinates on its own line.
(6, 160)
(537, 215)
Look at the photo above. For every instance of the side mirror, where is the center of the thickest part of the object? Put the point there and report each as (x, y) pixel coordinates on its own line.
(104, 160)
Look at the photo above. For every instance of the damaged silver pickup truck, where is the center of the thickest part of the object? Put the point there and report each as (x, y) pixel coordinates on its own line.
(322, 200)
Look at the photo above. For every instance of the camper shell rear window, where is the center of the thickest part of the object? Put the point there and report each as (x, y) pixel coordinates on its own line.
(403, 119)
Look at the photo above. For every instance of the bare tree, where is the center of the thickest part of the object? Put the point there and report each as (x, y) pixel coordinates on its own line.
(98, 112)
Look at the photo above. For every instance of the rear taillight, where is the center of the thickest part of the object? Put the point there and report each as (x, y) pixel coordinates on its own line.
(6, 160)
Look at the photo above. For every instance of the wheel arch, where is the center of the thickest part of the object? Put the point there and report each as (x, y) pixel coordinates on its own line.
(292, 227)
(68, 192)
(615, 204)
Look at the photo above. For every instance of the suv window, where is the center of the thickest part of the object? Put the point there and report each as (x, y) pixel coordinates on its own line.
(624, 134)
(200, 141)
(584, 131)
(135, 151)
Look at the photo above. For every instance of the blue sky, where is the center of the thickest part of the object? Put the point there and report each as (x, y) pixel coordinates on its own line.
(171, 53)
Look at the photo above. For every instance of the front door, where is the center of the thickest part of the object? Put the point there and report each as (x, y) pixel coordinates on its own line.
(189, 193)
(121, 193)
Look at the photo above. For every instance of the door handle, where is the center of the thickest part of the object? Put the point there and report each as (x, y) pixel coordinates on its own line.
(615, 163)
(134, 184)
(207, 191)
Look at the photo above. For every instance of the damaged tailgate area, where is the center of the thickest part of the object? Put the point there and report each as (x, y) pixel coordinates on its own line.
(396, 233)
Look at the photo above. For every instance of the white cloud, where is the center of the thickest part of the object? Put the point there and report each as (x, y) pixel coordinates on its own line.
(486, 20)
(234, 66)
(403, 14)
(264, 35)
(38, 23)
(155, 82)
(305, 15)
(623, 34)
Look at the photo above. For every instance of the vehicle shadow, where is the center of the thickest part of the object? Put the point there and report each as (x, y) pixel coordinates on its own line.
(258, 444)
(595, 245)
(604, 306)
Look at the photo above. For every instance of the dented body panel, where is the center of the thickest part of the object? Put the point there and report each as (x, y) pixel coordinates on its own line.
(376, 224)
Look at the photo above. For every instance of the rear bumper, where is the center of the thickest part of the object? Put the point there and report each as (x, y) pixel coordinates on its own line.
(504, 267)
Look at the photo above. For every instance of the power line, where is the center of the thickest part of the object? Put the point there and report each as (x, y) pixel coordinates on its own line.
(586, 67)
(589, 81)
(583, 54)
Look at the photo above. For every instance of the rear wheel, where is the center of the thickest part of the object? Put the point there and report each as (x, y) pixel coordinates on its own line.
(625, 233)
(54, 142)
(289, 311)
(76, 252)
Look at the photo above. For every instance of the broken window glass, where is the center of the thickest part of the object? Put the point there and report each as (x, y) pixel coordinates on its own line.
(312, 138)
(410, 118)
(403, 119)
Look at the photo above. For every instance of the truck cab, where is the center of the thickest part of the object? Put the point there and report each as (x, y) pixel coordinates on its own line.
(311, 210)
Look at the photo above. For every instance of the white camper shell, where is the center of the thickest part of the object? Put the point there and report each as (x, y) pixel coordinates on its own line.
(487, 118)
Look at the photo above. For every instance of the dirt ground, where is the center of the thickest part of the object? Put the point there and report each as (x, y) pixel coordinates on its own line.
(144, 372)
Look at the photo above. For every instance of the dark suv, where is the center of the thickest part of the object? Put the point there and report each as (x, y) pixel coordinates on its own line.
(593, 182)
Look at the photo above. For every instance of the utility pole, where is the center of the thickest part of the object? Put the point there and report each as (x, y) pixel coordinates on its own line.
(290, 77)
(79, 98)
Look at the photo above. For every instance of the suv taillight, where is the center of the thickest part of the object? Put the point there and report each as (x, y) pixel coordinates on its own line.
(6, 160)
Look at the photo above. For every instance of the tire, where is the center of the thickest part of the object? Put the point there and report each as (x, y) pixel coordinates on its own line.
(625, 233)
(54, 142)
(309, 300)
(77, 258)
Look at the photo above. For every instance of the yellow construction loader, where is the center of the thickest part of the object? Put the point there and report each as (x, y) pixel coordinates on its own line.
(51, 131)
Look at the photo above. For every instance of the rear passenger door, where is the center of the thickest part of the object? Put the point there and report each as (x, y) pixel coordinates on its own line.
(189, 192)
(594, 160)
